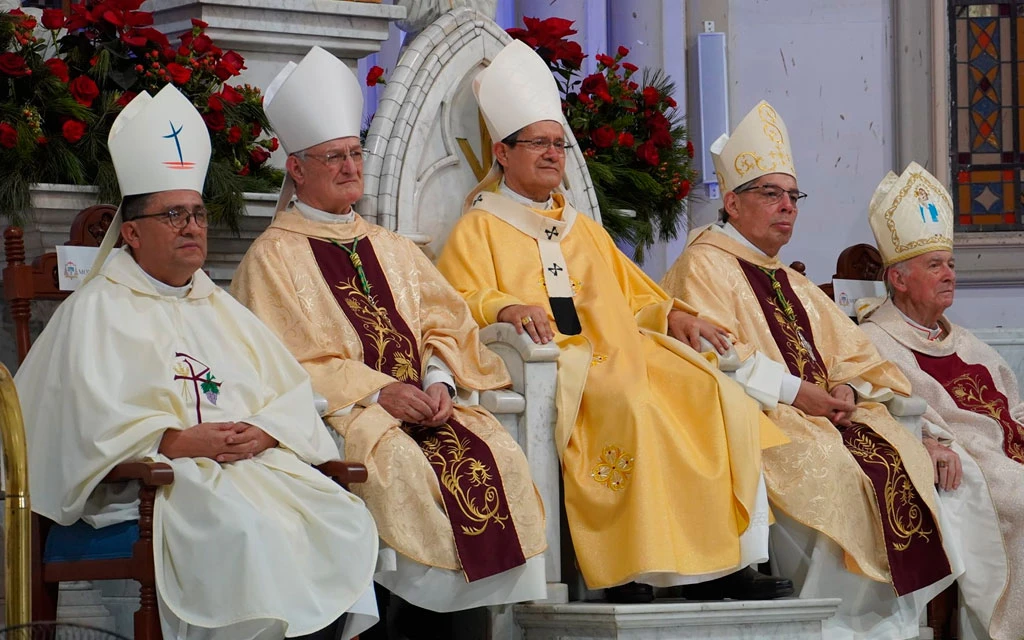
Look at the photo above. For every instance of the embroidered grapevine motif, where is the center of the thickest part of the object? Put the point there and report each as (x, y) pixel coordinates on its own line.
(380, 333)
(194, 371)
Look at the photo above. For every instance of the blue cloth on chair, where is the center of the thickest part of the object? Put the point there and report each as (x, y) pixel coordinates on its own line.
(80, 541)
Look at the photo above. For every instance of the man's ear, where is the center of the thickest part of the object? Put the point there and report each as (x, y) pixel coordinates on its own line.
(731, 202)
(897, 280)
(295, 170)
(130, 234)
(500, 150)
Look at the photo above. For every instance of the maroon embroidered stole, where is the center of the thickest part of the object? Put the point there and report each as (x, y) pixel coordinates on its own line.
(912, 542)
(972, 389)
(471, 488)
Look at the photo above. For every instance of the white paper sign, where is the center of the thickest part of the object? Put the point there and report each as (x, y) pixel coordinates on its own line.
(847, 292)
(73, 264)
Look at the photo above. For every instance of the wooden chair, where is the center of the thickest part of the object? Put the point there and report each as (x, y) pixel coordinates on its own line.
(864, 262)
(122, 551)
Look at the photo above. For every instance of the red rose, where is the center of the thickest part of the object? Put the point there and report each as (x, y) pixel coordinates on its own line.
(549, 29)
(604, 95)
(202, 43)
(272, 144)
(230, 64)
(231, 95)
(73, 130)
(684, 189)
(259, 155)
(58, 68)
(632, 86)
(214, 120)
(8, 136)
(626, 139)
(623, 51)
(604, 59)
(630, 67)
(126, 98)
(234, 134)
(256, 129)
(373, 76)
(13, 65)
(603, 137)
(138, 19)
(689, 148)
(186, 41)
(84, 90)
(568, 52)
(214, 103)
(651, 96)
(671, 102)
(196, 22)
(648, 153)
(244, 171)
(593, 83)
(522, 34)
(53, 19)
(179, 74)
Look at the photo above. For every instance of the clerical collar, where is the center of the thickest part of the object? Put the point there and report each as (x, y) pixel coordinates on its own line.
(931, 334)
(734, 233)
(318, 215)
(523, 200)
(164, 289)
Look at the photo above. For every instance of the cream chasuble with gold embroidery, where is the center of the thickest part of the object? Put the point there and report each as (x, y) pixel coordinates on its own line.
(263, 543)
(284, 280)
(661, 453)
(973, 399)
(816, 479)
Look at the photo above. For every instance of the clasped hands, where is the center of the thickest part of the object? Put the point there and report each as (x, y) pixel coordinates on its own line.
(220, 441)
(409, 403)
(836, 405)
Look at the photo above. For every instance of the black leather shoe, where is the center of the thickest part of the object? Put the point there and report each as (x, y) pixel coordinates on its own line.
(745, 584)
(630, 593)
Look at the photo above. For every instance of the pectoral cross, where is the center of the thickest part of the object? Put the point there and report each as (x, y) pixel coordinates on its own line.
(478, 199)
(555, 269)
(552, 232)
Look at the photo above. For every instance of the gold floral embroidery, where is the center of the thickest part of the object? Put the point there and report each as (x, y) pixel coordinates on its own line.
(573, 282)
(614, 468)
(802, 356)
(970, 392)
(467, 479)
(777, 157)
(598, 358)
(381, 332)
(902, 508)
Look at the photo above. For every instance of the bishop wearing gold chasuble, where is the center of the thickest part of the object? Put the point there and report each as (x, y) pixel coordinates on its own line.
(858, 510)
(397, 354)
(150, 360)
(974, 426)
(661, 453)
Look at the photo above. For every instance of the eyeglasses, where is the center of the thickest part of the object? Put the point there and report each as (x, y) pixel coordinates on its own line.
(541, 145)
(178, 217)
(772, 193)
(335, 159)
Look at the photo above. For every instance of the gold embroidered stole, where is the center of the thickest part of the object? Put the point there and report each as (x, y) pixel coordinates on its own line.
(471, 488)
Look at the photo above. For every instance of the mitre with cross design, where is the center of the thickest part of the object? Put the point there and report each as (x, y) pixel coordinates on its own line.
(910, 214)
(758, 146)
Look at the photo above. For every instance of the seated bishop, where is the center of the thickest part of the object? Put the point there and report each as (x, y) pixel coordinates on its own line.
(661, 453)
(858, 517)
(398, 356)
(974, 426)
(150, 360)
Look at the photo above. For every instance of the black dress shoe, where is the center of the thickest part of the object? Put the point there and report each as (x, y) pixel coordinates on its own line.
(745, 584)
(630, 593)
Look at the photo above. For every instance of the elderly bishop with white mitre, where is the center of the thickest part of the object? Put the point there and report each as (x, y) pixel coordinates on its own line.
(150, 360)
(974, 426)
(398, 356)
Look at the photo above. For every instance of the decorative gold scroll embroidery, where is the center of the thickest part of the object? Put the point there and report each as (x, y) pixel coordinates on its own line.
(614, 469)
(970, 394)
(802, 356)
(777, 157)
(381, 332)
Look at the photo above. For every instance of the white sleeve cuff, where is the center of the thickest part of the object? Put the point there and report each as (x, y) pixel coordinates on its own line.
(763, 379)
(869, 392)
(367, 401)
(790, 388)
(437, 371)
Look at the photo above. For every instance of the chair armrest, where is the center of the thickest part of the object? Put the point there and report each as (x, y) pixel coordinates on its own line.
(528, 350)
(343, 472)
(502, 401)
(728, 361)
(906, 407)
(151, 474)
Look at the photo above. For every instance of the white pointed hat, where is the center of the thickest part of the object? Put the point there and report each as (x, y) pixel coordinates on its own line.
(308, 103)
(759, 145)
(910, 214)
(157, 143)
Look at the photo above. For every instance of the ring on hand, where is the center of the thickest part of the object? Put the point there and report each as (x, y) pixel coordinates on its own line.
(941, 464)
(525, 320)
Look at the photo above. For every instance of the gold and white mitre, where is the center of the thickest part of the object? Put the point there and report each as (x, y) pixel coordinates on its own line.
(312, 102)
(910, 214)
(157, 143)
(759, 145)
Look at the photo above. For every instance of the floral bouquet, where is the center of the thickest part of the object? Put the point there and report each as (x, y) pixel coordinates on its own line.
(629, 131)
(62, 86)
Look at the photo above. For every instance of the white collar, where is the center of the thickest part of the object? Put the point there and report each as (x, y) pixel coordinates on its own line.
(523, 200)
(164, 289)
(733, 232)
(931, 334)
(318, 215)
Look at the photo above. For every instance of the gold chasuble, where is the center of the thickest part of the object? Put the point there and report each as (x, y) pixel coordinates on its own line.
(661, 454)
(868, 487)
(362, 308)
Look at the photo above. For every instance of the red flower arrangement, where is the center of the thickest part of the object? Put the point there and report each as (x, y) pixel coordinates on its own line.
(59, 96)
(629, 131)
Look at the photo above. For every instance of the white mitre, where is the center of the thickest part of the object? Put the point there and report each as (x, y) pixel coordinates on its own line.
(514, 91)
(156, 144)
(910, 214)
(309, 103)
(759, 145)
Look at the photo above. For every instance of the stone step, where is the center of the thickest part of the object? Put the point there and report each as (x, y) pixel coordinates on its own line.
(793, 618)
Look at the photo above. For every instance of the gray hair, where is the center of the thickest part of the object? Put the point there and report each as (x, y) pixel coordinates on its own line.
(903, 268)
(722, 213)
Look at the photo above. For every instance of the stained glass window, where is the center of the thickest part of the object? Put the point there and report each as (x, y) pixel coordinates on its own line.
(987, 114)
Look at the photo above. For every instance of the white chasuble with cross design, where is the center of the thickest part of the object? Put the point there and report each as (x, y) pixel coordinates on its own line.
(265, 543)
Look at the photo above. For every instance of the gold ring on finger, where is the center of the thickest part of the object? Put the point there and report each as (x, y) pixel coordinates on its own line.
(526, 320)
(941, 464)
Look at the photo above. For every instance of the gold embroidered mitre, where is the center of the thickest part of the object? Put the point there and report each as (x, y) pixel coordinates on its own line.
(759, 145)
(910, 214)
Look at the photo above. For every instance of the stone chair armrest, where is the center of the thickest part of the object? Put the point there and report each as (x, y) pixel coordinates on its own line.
(150, 474)
(906, 407)
(528, 350)
(499, 401)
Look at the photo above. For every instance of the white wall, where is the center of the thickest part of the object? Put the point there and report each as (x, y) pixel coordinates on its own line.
(977, 308)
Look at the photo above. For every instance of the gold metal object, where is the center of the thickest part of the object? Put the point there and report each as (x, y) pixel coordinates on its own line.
(18, 511)
(525, 320)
